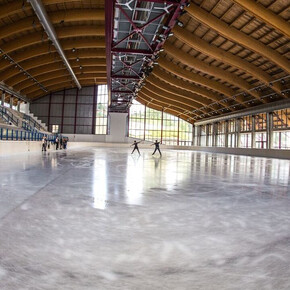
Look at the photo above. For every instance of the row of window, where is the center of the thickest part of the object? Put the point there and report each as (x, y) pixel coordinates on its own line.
(149, 124)
(260, 131)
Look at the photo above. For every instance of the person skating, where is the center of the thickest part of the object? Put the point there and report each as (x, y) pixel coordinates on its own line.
(44, 143)
(135, 144)
(156, 143)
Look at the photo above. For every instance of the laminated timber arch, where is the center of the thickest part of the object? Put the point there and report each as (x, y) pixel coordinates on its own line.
(201, 45)
(266, 15)
(171, 96)
(66, 85)
(173, 81)
(237, 36)
(39, 50)
(75, 15)
(62, 81)
(16, 7)
(238, 71)
(50, 62)
(157, 95)
(156, 106)
(158, 83)
(194, 78)
(62, 33)
(165, 105)
(54, 74)
(209, 69)
(54, 67)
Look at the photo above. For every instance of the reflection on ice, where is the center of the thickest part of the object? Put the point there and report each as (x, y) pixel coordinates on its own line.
(188, 220)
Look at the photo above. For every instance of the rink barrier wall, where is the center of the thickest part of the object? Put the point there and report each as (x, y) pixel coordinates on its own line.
(17, 147)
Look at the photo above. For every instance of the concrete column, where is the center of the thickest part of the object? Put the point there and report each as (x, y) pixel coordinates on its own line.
(253, 143)
(18, 106)
(207, 135)
(227, 133)
(11, 102)
(269, 130)
(198, 135)
(214, 134)
(193, 135)
(3, 99)
(238, 133)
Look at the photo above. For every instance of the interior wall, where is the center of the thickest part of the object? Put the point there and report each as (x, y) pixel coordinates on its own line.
(118, 127)
(72, 110)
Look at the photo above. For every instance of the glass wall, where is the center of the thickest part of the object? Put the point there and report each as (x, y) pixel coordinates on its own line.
(263, 131)
(137, 121)
(149, 124)
(221, 126)
(185, 133)
(102, 110)
(153, 125)
(281, 129)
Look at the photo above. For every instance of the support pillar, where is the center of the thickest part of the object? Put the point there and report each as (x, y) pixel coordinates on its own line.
(11, 102)
(226, 133)
(253, 143)
(3, 99)
(269, 130)
(207, 135)
(238, 133)
(18, 106)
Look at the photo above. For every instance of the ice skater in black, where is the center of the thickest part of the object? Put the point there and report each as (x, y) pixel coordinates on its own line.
(135, 144)
(156, 147)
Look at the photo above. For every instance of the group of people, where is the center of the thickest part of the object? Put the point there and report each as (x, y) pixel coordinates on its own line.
(156, 143)
(61, 143)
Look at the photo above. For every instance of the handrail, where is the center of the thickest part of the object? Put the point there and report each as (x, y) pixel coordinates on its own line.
(20, 135)
(8, 116)
(31, 120)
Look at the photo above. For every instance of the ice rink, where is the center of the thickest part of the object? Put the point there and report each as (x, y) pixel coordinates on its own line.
(101, 218)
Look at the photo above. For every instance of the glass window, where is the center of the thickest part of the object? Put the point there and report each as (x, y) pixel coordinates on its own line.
(154, 125)
(281, 119)
(55, 128)
(221, 134)
(246, 124)
(281, 140)
(261, 140)
(245, 140)
(261, 122)
(185, 133)
(102, 110)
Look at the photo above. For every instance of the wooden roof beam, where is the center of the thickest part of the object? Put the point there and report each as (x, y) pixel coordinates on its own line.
(60, 86)
(54, 81)
(163, 104)
(226, 57)
(74, 15)
(30, 53)
(237, 36)
(16, 76)
(62, 33)
(266, 15)
(48, 63)
(168, 110)
(21, 85)
(186, 86)
(194, 77)
(171, 96)
(209, 69)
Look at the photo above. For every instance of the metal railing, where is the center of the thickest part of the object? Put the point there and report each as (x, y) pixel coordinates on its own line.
(20, 135)
(31, 122)
(7, 116)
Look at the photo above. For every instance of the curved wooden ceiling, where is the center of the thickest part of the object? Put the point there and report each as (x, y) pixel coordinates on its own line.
(80, 27)
(229, 54)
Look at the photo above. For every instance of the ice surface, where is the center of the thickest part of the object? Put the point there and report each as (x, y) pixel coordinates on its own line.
(100, 218)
